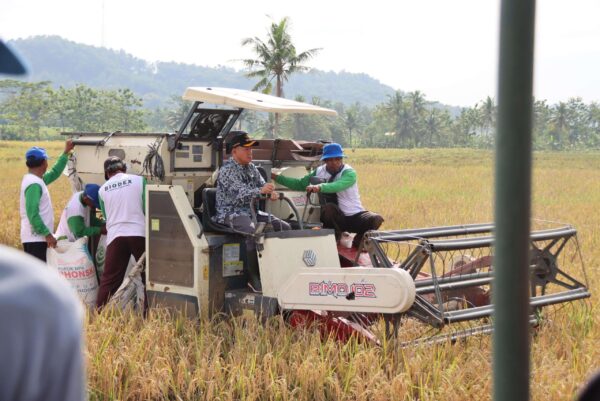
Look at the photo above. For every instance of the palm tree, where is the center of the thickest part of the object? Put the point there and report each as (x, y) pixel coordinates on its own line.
(434, 122)
(488, 116)
(417, 113)
(466, 126)
(352, 121)
(394, 108)
(560, 124)
(560, 116)
(594, 114)
(275, 59)
(417, 101)
(177, 111)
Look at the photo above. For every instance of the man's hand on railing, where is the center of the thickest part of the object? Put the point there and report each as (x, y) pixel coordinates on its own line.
(313, 188)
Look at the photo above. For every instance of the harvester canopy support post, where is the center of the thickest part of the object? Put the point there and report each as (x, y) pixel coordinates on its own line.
(512, 201)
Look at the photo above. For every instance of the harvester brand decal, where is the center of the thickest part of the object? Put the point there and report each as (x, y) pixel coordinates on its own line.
(116, 185)
(298, 200)
(309, 257)
(329, 288)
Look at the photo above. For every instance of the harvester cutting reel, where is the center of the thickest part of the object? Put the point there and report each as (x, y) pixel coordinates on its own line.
(452, 270)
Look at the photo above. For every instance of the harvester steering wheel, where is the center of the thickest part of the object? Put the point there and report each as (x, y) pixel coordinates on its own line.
(282, 197)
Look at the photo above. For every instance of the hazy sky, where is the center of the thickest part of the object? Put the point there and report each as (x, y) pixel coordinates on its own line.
(447, 49)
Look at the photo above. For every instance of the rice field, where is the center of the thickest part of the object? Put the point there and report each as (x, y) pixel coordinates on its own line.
(171, 358)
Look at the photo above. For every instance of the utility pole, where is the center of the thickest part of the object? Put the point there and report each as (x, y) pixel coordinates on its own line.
(513, 202)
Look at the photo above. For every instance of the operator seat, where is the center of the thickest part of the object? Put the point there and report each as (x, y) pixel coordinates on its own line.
(263, 173)
(209, 200)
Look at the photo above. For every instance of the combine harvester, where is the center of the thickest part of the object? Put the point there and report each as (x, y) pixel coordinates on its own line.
(430, 284)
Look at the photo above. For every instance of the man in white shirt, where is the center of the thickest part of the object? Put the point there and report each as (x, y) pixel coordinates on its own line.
(35, 206)
(78, 218)
(122, 200)
(343, 210)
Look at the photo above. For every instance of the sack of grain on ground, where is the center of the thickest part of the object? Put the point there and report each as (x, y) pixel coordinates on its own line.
(73, 261)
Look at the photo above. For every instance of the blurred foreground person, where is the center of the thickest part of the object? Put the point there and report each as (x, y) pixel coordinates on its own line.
(37, 215)
(41, 355)
(591, 390)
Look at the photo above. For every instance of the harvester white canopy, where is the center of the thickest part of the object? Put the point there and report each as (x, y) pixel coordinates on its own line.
(252, 100)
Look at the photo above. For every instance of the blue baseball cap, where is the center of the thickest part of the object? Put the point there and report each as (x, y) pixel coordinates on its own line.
(36, 153)
(332, 150)
(91, 191)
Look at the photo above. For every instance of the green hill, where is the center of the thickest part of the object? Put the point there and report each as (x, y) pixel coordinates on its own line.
(67, 63)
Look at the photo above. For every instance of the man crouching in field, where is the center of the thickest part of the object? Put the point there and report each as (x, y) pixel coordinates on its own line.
(122, 200)
(343, 210)
(37, 215)
(78, 218)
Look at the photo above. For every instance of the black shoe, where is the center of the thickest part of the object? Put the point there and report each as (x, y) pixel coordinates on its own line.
(356, 242)
(377, 222)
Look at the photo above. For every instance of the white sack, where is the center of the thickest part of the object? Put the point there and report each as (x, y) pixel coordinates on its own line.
(73, 261)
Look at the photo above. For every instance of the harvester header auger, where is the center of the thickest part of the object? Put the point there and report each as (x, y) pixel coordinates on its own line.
(423, 284)
(452, 270)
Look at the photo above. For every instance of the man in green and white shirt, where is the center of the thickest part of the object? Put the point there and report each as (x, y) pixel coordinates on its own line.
(79, 219)
(122, 201)
(35, 206)
(343, 210)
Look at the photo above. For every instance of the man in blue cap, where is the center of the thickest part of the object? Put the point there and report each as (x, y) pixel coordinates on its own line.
(37, 215)
(343, 210)
(79, 219)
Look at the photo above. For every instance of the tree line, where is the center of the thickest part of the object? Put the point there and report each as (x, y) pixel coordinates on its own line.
(36, 111)
(408, 120)
(403, 120)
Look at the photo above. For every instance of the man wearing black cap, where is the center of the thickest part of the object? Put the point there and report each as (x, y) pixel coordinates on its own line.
(122, 200)
(238, 183)
(37, 215)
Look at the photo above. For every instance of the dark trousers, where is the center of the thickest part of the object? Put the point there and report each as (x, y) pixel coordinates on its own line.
(36, 249)
(245, 224)
(118, 254)
(359, 223)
